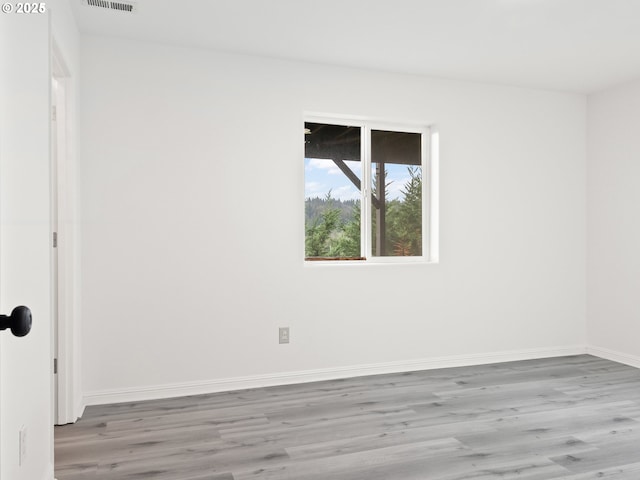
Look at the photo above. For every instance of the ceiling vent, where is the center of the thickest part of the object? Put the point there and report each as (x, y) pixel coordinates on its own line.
(126, 6)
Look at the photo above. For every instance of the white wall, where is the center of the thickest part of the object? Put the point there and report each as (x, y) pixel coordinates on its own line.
(192, 195)
(613, 225)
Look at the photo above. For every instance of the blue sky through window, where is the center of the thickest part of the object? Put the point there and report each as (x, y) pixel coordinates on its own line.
(323, 175)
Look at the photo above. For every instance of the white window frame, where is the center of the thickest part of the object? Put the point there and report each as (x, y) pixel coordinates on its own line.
(430, 171)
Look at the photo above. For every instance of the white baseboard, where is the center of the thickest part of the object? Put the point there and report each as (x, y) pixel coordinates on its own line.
(614, 356)
(286, 378)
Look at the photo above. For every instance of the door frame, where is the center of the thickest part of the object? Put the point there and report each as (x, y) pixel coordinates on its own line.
(64, 258)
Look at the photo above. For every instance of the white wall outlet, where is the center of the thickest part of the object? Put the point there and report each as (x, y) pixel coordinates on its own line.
(22, 447)
(284, 334)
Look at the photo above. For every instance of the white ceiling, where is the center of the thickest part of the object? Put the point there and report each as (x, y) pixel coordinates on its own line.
(574, 45)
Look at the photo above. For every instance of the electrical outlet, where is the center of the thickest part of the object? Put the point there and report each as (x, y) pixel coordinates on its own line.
(22, 447)
(284, 334)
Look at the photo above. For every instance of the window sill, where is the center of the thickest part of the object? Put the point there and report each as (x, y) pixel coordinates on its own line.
(334, 259)
(324, 262)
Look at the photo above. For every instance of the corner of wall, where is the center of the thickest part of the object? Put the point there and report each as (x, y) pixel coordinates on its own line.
(614, 356)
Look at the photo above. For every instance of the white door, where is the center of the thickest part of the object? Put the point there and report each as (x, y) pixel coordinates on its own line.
(26, 417)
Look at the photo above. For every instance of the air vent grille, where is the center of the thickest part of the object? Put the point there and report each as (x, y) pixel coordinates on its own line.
(98, 3)
(127, 7)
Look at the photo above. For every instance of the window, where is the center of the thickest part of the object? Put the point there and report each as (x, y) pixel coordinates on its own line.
(366, 191)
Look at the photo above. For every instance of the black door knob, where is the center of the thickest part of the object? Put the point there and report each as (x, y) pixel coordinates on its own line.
(19, 321)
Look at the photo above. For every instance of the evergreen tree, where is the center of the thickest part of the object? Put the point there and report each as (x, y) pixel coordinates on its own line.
(333, 226)
(349, 242)
(408, 225)
(321, 238)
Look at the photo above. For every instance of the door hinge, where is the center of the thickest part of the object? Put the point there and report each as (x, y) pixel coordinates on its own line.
(55, 366)
(55, 239)
(54, 113)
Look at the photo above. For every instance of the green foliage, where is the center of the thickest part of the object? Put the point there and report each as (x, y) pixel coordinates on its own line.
(315, 206)
(404, 219)
(321, 234)
(349, 241)
(333, 226)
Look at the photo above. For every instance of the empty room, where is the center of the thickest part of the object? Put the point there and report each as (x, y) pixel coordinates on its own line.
(339, 240)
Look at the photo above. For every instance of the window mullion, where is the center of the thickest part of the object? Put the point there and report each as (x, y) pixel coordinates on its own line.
(365, 219)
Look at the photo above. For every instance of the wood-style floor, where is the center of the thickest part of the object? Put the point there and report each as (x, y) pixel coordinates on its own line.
(572, 418)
